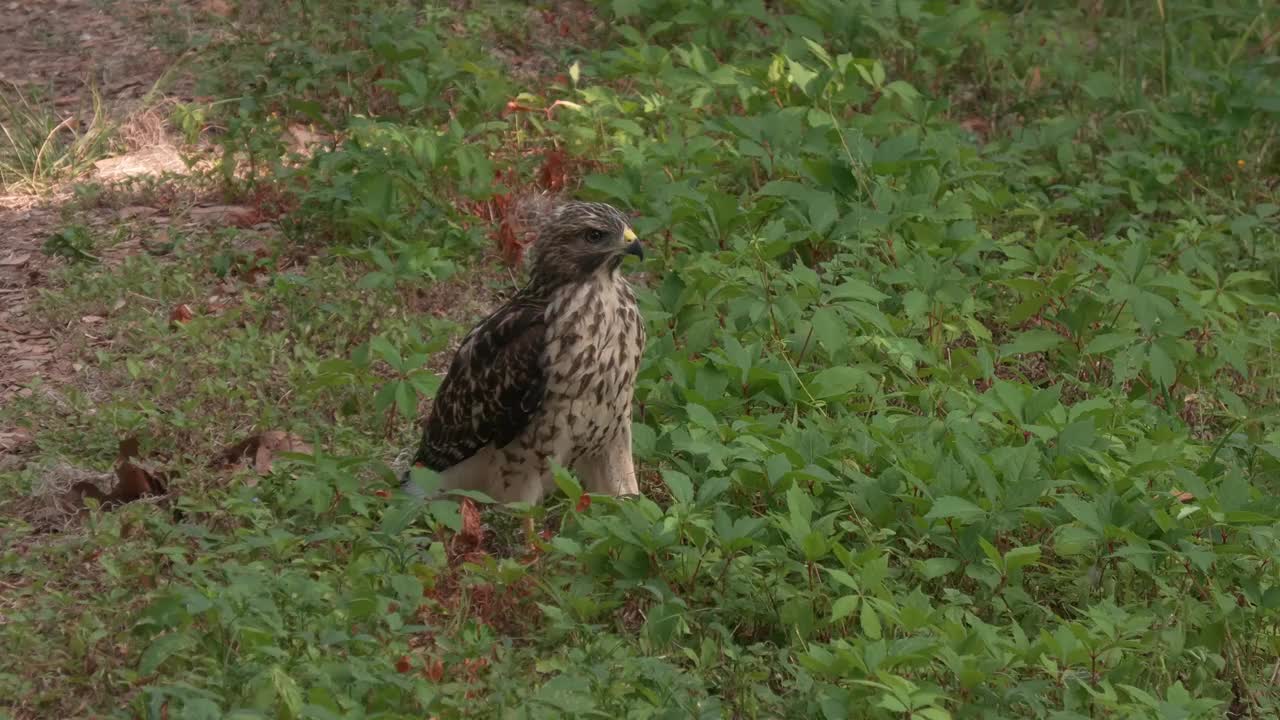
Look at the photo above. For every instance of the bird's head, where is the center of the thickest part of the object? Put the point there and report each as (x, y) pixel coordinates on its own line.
(581, 238)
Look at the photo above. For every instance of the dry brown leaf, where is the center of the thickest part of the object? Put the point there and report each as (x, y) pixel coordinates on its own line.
(132, 482)
(976, 125)
(235, 215)
(263, 447)
(128, 448)
(147, 161)
(221, 8)
(273, 442)
(180, 314)
(136, 211)
(15, 259)
(1034, 81)
(11, 441)
(471, 529)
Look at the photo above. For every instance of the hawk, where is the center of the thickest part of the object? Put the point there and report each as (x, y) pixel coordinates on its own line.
(550, 375)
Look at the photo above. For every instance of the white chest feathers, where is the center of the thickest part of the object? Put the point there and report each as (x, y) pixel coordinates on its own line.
(595, 338)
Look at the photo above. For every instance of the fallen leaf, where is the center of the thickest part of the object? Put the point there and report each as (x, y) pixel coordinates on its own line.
(472, 533)
(127, 449)
(1034, 81)
(263, 447)
(552, 174)
(180, 314)
(136, 211)
(303, 137)
(976, 125)
(235, 215)
(15, 259)
(147, 161)
(91, 319)
(132, 482)
(221, 8)
(12, 440)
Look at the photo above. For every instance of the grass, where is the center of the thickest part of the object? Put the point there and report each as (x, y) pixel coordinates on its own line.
(41, 147)
(958, 401)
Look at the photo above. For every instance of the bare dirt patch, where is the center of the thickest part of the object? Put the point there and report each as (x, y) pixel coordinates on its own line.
(59, 48)
(58, 56)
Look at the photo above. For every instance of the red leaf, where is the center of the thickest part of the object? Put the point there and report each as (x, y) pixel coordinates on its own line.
(584, 502)
(403, 665)
(552, 175)
(513, 107)
(471, 533)
(181, 313)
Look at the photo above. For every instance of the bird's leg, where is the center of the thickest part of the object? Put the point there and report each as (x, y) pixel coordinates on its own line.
(612, 470)
(623, 464)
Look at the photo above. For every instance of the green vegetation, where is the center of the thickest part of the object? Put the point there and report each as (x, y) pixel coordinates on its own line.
(38, 148)
(959, 402)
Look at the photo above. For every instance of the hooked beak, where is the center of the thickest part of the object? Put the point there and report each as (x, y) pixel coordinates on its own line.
(634, 248)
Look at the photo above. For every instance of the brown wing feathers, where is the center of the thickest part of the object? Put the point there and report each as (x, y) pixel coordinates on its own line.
(495, 385)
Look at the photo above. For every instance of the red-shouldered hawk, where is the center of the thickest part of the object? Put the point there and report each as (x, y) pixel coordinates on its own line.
(550, 374)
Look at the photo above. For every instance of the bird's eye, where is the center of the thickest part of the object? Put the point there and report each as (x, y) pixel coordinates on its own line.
(596, 235)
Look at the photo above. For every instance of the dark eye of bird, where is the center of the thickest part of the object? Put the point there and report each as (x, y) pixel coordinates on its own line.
(596, 235)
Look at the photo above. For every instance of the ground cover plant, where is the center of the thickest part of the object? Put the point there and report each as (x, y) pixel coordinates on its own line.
(960, 399)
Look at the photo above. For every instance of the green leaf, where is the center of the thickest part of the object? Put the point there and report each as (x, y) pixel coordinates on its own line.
(843, 607)
(610, 186)
(680, 485)
(822, 212)
(702, 417)
(386, 396)
(160, 650)
(1031, 341)
(830, 329)
(288, 691)
(951, 506)
(1107, 342)
(937, 567)
(1020, 557)
(567, 483)
(426, 479)
(1083, 511)
(870, 621)
(837, 381)
(815, 546)
(1070, 540)
(802, 76)
(425, 383)
(406, 399)
(1163, 371)
(662, 622)
(398, 517)
(853, 289)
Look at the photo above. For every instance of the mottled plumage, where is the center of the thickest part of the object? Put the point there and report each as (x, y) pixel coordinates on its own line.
(550, 374)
